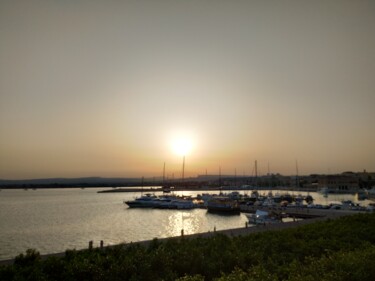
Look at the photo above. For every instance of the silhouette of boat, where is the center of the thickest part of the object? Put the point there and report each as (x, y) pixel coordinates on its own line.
(223, 205)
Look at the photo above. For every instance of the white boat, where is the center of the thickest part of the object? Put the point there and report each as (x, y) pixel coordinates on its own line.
(183, 204)
(146, 201)
(164, 203)
(263, 217)
(205, 197)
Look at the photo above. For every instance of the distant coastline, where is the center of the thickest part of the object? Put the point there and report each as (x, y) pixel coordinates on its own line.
(346, 182)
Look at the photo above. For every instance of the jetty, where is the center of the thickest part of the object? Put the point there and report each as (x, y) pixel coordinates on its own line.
(300, 212)
(132, 189)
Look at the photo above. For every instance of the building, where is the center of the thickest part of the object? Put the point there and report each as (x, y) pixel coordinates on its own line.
(344, 183)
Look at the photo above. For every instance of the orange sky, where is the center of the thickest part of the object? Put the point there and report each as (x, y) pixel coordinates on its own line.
(102, 88)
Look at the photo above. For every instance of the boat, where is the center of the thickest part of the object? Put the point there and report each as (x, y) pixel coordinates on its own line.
(350, 205)
(268, 202)
(166, 189)
(277, 198)
(263, 217)
(174, 202)
(370, 207)
(146, 201)
(205, 197)
(287, 197)
(254, 194)
(324, 191)
(183, 204)
(223, 205)
(164, 203)
(361, 195)
(370, 193)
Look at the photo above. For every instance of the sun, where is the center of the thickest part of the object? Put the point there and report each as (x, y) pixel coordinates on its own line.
(182, 145)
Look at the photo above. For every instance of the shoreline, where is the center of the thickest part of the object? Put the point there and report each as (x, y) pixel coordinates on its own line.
(246, 230)
(137, 188)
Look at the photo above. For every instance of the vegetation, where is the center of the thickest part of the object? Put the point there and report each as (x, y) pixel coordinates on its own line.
(342, 249)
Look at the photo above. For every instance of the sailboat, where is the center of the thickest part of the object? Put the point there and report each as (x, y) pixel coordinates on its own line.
(165, 188)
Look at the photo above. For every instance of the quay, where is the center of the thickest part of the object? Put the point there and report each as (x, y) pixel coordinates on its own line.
(313, 215)
(133, 189)
(299, 212)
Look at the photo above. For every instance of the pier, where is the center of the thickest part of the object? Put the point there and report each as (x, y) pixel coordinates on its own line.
(300, 212)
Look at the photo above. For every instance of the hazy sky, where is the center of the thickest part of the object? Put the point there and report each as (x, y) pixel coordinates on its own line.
(104, 88)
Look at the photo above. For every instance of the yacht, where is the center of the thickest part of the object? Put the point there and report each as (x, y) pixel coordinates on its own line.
(263, 217)
(183, 204)
(146, 201)
(223, 205)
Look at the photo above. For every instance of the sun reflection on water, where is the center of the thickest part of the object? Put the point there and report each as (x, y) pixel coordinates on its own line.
(186, 220)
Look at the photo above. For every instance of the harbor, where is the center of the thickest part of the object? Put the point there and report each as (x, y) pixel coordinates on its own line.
(53, 220)
(311, 216)
(281, 203)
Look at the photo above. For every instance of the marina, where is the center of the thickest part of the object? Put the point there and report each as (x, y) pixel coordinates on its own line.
(234, 202)
(53, 220)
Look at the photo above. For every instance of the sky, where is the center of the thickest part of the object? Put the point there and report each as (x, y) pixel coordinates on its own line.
(110, 88)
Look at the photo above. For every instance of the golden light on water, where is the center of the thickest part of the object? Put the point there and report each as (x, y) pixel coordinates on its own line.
(185, 220)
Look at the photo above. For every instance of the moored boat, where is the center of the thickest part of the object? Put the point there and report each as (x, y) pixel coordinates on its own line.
(263, 217)
(370, 193)
(146, 201)
(183, 204)
(324, 190)
(223, 205)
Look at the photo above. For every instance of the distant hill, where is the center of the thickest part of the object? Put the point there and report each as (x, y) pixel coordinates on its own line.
(87, 181)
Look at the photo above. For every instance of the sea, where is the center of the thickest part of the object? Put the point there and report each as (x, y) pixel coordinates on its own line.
(54, 220)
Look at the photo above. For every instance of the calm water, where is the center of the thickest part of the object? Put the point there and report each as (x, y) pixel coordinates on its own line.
(53, 220)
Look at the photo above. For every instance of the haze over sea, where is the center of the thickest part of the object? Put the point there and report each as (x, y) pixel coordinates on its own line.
(53, 220)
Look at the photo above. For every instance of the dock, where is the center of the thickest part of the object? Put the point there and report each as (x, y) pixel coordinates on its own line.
(300, 212)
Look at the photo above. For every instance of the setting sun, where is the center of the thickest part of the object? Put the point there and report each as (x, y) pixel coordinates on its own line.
(181, 143)
(182, 146)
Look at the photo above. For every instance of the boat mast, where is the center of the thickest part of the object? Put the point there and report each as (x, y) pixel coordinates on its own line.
(143, 178)
(235, 176)
(220, 176)
(297, 179)
(164, 174)
(183, 170)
